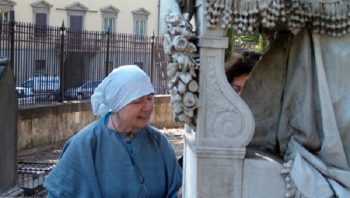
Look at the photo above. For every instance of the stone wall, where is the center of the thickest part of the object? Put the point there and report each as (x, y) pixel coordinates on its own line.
(8, 109)
(51, 124)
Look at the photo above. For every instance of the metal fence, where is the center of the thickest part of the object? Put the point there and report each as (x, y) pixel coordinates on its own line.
(56, 63)
(31, 176)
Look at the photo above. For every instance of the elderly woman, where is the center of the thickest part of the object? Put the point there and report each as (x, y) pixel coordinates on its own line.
(119, 155)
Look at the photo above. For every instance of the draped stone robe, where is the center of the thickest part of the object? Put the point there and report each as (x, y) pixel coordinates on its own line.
(299, 93)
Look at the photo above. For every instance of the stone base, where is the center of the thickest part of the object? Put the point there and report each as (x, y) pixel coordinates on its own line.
(262, 179)
(212, 171)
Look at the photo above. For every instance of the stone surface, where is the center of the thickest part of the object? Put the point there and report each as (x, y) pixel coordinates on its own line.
(255, 175)
(8, 132)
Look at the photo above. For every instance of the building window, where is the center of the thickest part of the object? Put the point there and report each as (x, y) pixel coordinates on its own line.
(109, 18)
(41, 10)
(75, 31)
(8, 16)
(76, 13)
(41, 19)
(76, 23)
(108, 24)
(140, 27)
(140, 21)
(7, 13)
(40, 24)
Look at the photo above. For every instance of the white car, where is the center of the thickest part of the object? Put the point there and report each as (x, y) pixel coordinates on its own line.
(25, 96)
(24, 92)
(85, 90)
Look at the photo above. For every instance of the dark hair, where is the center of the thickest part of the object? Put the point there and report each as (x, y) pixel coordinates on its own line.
(240, 67)
(254, 56)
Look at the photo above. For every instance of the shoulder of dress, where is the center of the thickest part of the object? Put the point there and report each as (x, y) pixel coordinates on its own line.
(89, 132)
(153, 129)
(156, 133)
(86, 139)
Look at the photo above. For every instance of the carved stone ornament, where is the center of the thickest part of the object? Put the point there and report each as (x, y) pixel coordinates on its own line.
(330, 17)
(182, 67)
(292, 191)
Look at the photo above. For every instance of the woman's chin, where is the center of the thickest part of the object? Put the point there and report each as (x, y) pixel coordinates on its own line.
(140, 125)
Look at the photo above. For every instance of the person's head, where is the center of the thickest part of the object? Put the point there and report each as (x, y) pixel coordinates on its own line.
(128, 93)
(238, 72)
(251, 55)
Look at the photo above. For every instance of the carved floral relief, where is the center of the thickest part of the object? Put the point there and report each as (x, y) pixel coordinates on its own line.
(182, 68)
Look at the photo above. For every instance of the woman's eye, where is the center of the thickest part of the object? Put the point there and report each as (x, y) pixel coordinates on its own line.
(150, 98)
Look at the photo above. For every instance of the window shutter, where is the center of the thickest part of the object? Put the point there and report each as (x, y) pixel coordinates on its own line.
(41, 19)
(12, 15)
(40, 24)
(76, 23)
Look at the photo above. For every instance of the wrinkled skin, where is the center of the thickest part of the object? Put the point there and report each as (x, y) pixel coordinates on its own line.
(133, 116)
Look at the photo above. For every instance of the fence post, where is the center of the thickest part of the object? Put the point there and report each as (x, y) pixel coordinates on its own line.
(107, 55)
(152, 55)
(12, 47)
(62, 31)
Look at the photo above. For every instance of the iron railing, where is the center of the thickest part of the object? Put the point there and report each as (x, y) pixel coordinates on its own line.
(31, 176)
(48, 61)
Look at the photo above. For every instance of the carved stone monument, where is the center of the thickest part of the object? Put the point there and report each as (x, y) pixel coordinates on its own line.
(297, 94)
(8, 132)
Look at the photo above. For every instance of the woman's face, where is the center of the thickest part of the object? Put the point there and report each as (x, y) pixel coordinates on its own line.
(238, 82)
(136, 114)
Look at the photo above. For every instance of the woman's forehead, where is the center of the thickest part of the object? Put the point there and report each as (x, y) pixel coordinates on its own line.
(145, 96)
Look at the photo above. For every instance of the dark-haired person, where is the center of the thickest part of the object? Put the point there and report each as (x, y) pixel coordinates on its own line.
(237, 71)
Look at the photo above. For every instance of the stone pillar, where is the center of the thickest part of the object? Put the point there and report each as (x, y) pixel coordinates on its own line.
(8, 132)
(215, 150)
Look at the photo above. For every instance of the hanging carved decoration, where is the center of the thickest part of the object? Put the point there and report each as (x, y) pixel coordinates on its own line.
(330, 17)
(218, 12)
(182, 67)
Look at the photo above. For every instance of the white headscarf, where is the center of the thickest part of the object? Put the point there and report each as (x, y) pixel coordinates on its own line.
(122, 86)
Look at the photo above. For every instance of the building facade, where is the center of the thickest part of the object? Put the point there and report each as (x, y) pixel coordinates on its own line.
(120, 16)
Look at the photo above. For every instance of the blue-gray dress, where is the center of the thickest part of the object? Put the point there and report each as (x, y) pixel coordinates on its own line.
(98, 162)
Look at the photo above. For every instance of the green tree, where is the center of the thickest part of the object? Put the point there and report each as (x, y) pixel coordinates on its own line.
(263, 43)
(231, 43)
(259, 42)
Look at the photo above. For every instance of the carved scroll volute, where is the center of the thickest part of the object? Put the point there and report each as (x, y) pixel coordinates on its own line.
(229, 119)
(226, 120)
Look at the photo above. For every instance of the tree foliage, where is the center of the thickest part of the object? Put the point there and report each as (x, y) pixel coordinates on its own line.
(256, 42)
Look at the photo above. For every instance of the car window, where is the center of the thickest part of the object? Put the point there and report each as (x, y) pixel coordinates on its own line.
(28, 84)
(90, 84)
(87, 85)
